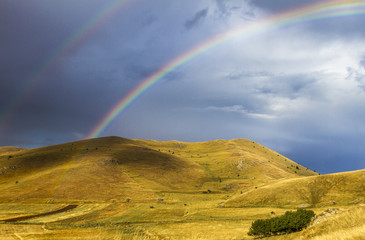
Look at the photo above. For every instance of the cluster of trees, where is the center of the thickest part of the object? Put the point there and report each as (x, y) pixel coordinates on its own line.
(287, 223)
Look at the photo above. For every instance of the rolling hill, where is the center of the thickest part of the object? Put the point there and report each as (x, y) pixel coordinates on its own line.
(118, 188)
(113, 168)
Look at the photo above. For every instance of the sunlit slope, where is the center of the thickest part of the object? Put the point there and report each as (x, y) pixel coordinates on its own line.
(98, 169)
(325, 190)
(233, 166)
(346, 224)
(114, 168)
(341, 224)
(238, 160)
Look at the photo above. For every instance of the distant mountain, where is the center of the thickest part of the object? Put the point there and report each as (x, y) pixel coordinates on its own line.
(114, 168)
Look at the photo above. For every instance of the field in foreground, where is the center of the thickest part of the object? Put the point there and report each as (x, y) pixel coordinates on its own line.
(199, 219)
(116, 188)
(181, 216)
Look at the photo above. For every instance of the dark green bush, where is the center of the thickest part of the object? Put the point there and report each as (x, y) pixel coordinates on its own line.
(287, 223)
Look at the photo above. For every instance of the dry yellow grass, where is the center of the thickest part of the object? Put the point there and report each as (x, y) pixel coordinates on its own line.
(176, 190)
(201, 219)
(95, 170)
(316, 191)
(348, 223)
(117, 168)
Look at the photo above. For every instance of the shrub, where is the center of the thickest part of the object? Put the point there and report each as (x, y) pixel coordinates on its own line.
(287, 223)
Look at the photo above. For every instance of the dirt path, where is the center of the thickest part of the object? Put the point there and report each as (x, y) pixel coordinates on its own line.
(22, 218)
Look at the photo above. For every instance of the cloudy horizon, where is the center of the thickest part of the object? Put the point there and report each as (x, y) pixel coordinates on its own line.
(298, 89)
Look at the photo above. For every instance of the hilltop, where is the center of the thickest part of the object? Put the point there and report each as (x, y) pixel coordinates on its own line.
(112, 168)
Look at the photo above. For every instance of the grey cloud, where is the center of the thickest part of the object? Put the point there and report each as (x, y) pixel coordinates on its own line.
(226, 9)
(199, 16)
(241, 110)
(345, 27)
(287, 86)
(339, 26)
(248, 74)
(222, 6)
(357, 75)
(362, 62)
(281, 5)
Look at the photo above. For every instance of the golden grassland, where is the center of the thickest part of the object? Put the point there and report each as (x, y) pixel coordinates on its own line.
(341, 188)
(171, 221)
(143, 189)
(118, 168)
(201, 219)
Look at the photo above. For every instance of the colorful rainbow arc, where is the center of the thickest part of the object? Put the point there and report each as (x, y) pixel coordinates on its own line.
(328, 9)
(54, 60)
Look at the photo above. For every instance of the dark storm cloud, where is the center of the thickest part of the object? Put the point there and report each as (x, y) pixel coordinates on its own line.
(329, 154)
(31, 33)
(31, 29)
(57, 102)
(199, 16)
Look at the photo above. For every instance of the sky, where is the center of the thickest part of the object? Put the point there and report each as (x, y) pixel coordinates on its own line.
(297, 88)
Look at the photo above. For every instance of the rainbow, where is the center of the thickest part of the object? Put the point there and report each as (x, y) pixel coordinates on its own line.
(57, 56)
(323, 10)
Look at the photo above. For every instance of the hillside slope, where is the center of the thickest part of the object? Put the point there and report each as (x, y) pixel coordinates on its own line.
(113, 168)
(333, 224)
(234, 164)
(339, 188)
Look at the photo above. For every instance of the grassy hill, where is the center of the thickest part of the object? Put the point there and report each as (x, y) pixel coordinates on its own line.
(326, 190)
(99, 169)
(117, 188)
(118, 168)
